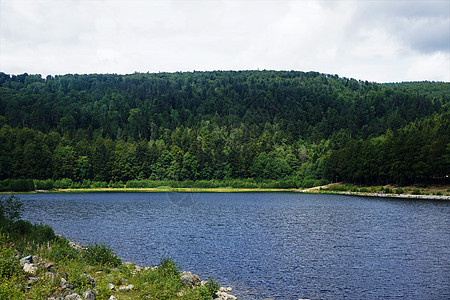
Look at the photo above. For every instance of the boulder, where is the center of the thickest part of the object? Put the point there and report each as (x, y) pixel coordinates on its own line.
(73, 296)
(89, 295)
(225, 296)
(30, 268)
(26, 260)
(190, 279)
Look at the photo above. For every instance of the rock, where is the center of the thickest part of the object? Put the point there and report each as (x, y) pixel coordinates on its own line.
(33, 280)
(29, 268)
(190, 279)
(229, 289)
(50, 275)
(112, 298)
(27, 259)
(89, 295)
(127, 264)
(65, 284)
(73, 296)
(111, 286)
(126, 288)
(76, 246)
(49, 265)
(225, 296)
(35, 259)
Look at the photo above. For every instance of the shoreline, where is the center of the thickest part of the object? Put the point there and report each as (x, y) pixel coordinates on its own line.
(314, 190)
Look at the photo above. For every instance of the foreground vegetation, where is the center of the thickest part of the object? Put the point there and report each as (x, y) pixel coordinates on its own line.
(288, 127)
(37, 264)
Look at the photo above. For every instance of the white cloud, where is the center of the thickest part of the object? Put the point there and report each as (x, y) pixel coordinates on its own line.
(368, 40)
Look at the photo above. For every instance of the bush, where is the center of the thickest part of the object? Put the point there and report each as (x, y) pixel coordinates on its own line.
(209, 290)
(399, 191)
(60, 250)
(416, 192)
(8, 265)
(64, 183)
(21, 185)
(98, 255)
(116, 185)
(99, 184)
(44, 184)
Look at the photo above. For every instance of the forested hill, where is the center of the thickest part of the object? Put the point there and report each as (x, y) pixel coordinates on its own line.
(216, 125)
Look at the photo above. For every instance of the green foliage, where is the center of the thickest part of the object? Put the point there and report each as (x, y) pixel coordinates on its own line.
(10, 208)
(9, 266)
(399, 191)
(60, 250)
(293, 128)
(416, 192)
(209, 290)
(165, 281)
(99, 255)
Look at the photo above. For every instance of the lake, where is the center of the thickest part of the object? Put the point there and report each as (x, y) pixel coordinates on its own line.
(277, 245)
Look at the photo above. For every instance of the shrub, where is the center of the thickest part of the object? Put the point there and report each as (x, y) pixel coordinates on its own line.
(8, 265)
(44, 184)
(64, 183)
(99, 184)
(416, 192)
(209, 290)
(21, 185)
(116, 185)
(60, 250)
(399, 191)
(97, 255)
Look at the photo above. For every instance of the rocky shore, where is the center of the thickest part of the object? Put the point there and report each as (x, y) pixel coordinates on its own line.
(38, 270)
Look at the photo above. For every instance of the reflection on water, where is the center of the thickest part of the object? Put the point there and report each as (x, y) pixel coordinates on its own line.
(279, 245)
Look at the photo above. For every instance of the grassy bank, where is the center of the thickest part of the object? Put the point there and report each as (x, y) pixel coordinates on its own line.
(225, 185)
(37, 264)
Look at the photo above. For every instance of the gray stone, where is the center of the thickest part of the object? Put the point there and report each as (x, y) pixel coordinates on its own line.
(29, 268)
(112, 298)
(27, 259)
(111, 286)
(126, 288)
(89, 295)
(65, 284)
(225, 296)
(73, 296)
(190, 279)
(33, 280)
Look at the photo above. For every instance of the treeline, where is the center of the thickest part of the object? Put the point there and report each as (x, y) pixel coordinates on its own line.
(217, 126)
(211, 153)
(419, 152)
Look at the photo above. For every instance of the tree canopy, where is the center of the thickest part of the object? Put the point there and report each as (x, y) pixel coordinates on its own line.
(222, 125)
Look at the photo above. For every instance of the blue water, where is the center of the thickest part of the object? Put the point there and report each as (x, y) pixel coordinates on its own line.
(278, 245)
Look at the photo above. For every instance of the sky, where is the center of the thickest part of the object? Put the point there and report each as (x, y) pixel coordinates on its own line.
(378, 41)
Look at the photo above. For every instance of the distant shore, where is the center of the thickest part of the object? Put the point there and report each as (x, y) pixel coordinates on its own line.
(387, 191)
(425, 193)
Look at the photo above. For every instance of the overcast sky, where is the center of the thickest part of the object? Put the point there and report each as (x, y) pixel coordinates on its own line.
(380, 41)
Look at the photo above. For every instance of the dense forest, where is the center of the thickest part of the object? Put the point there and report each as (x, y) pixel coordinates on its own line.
(223, 125)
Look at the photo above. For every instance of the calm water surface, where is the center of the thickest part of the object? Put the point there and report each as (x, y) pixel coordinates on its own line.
(278, 245)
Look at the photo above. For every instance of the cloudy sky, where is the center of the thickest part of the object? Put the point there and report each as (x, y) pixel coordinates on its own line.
(380, 41)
